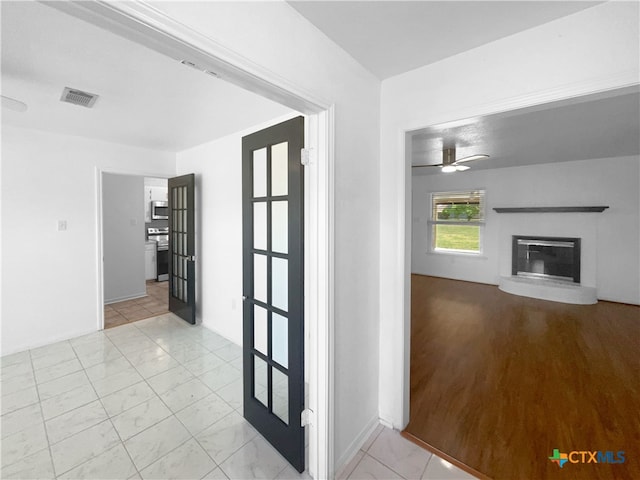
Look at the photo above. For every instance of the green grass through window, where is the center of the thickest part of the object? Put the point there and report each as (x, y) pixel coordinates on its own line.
(457, 237)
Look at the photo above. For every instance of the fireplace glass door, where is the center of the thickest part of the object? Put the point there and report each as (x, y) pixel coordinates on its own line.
(551, 258)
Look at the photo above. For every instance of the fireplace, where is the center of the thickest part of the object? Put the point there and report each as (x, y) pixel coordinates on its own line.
(553, 258)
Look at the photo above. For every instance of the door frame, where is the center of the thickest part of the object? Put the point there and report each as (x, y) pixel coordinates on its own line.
(143, 24)
(396, 377)
(99, 174)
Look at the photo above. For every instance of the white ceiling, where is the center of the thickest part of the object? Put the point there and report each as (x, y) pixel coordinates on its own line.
(152, 101)
(597, 126)
(146, 99)
(393, 37)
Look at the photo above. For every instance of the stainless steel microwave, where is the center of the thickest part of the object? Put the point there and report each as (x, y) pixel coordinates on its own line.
(159, 210)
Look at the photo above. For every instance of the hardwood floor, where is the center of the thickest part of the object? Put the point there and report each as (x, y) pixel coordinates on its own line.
(500, 381)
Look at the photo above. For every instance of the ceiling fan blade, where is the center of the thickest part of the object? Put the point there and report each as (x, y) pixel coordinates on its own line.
(431, 165)
(470, 158)
(13, 104)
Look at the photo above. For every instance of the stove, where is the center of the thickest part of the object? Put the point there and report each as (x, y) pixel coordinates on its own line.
(160, 235)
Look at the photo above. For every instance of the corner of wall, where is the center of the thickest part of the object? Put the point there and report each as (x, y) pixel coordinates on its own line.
(350, 452)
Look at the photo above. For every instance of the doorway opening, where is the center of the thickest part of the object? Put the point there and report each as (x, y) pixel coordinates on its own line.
(455, 303)
(134, 242)
(181, 43)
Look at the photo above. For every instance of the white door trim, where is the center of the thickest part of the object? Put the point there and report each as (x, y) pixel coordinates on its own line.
(99, 171)
(146, 25)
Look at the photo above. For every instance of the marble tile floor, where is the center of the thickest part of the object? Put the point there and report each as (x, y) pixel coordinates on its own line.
(156, 399)
(386, 455)
(152, 399)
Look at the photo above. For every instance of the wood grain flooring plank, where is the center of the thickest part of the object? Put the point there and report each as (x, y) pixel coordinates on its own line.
(499, 381)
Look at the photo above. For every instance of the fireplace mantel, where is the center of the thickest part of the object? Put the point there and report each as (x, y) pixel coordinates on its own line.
(594, 209)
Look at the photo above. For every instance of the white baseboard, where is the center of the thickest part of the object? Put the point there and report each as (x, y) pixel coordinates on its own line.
(124, 299)
(389, 425)
(211, 329)
(49, 341)
(356, 445)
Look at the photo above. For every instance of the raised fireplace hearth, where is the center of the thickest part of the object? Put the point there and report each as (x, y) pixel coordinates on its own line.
(547, 268)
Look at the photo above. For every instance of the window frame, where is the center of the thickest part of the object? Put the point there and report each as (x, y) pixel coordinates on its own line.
(432, 223)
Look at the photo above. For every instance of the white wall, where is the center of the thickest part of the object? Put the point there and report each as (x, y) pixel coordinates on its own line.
(218, 206)
(123, 237)
(610, 253)
(218, 169)
(593, 50)
(275, 37)
(50, 278)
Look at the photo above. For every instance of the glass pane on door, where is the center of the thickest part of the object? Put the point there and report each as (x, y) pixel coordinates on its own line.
(281, 395)
(279, 226)
(260, 330)
(280, 339)
(260, 277)
(279, 169)
(260, 225)
(260, 173)
(280, 283)
(261, 381)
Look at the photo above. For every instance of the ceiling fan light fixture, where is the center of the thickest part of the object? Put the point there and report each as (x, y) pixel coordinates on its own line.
(448, 169)
(472, 157)
(462, 168)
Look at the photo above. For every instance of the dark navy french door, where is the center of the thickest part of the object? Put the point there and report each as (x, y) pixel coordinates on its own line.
(182, 265)
(273, 274)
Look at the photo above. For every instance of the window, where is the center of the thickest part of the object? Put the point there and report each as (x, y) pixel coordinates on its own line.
(457, 222)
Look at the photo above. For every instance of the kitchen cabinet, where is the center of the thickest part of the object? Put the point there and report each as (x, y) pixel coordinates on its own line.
(159, 193)
(150, 260)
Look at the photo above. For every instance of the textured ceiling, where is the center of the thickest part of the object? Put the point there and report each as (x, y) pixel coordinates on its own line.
(598, 126)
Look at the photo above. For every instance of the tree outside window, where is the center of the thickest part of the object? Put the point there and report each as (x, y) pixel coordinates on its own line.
(457, 222)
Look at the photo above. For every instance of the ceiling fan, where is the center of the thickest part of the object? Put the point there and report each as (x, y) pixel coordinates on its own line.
(13, 104)
(451, 164)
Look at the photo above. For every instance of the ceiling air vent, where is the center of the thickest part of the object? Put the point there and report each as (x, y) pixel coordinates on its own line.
(78, 97)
